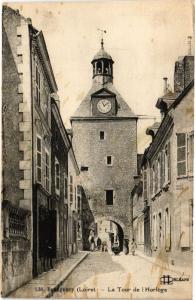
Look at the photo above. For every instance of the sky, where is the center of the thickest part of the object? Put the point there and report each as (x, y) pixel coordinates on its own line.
(144, 38)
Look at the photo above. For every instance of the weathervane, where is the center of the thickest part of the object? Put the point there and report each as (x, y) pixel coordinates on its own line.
(102, 35)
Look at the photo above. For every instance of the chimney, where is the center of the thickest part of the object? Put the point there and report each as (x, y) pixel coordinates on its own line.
(165, 85)
(189, 45)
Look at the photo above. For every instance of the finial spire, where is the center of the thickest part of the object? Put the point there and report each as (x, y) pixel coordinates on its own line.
(189, 45)
(102, 33)
(102, 43)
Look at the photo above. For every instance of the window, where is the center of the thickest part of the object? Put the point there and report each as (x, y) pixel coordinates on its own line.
(71, 189)
(181, 154)
(84, 168)
(102, 137)
(167, 169)
(162, 168)
(154, 229)
(109, 197)
(39, 159)
(109, 160)
(57, 176)
(75, 197)
(65, 187)
(156, 177)
(185, 223)
(190, 152)
(17, 225)
(47, 170)
(158, 174)
(79, 204)
(151, 181)
(160, 235)
(37, 83)
(167, 230)
(145, 185)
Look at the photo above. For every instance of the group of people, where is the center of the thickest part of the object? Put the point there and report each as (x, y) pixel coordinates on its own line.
(98, 245)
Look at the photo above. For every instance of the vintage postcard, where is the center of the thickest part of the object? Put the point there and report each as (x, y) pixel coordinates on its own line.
(97, 149)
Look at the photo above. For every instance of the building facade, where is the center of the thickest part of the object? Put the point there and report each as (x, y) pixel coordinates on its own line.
(167, 172)
(105, 143)
(37, 158)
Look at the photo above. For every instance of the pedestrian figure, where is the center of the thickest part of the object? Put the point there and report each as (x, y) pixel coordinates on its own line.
(126, 246)
(99, 242)
(133, 246)
(116, 248)
(92, 244)
(50, 255)
(104, 246)
(47, 258)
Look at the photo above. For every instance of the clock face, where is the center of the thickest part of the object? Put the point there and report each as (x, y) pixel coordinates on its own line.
(104, 106)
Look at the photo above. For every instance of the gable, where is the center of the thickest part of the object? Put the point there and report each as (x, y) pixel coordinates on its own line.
(84, 109)
(103, 93)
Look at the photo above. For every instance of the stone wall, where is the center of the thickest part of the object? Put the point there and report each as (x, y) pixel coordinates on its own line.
(91, 152)
(16, 256)
(17, 150)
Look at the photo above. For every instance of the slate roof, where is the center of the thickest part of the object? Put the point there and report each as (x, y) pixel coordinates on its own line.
(102, 54)
(84, 109)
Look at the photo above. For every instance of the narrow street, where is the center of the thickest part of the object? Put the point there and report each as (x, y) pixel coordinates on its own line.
(103, 275)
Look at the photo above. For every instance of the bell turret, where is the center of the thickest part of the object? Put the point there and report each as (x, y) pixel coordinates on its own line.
(102, 66)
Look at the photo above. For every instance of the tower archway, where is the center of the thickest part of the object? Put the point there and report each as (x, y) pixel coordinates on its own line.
(110, 230)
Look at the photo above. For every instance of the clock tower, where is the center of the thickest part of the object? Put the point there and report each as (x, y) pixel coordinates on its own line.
(105, 144)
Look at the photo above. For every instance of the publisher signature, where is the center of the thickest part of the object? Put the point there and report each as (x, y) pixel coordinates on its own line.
(168, 279)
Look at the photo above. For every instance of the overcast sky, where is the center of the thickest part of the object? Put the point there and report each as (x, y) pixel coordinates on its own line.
(144, 38)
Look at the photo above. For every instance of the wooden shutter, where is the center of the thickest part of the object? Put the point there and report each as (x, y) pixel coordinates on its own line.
(151, 181)
(156, 176)
(185, 223)
(190, 152)
(181, 154)
(145, 185)
(162, 168)
(167, 230)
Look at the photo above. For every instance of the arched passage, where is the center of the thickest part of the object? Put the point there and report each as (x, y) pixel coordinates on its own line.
(109, 230)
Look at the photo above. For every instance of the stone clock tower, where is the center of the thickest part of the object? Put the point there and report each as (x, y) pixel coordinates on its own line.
(105, 143)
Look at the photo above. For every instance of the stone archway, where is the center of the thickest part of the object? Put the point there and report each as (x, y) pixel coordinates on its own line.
(121, 229)
(114, 220)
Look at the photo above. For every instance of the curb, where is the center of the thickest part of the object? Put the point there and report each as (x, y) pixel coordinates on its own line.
(62, 279)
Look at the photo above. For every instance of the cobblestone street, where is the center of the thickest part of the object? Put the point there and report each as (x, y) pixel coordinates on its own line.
(107, 276)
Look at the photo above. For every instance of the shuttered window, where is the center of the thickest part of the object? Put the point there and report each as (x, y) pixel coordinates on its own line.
(71, 189)
(65, 187)
(37, 84)
(158, 174)
(156, 177)
(145, 185)
(185, 223)
(167, 164)
(151, 181)
(190, 152)
(154, 227)
(47, 171)
(181, 154)
(39, 159)
(167, 230)
(169, 161)
(162, 169)
(57, 176)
